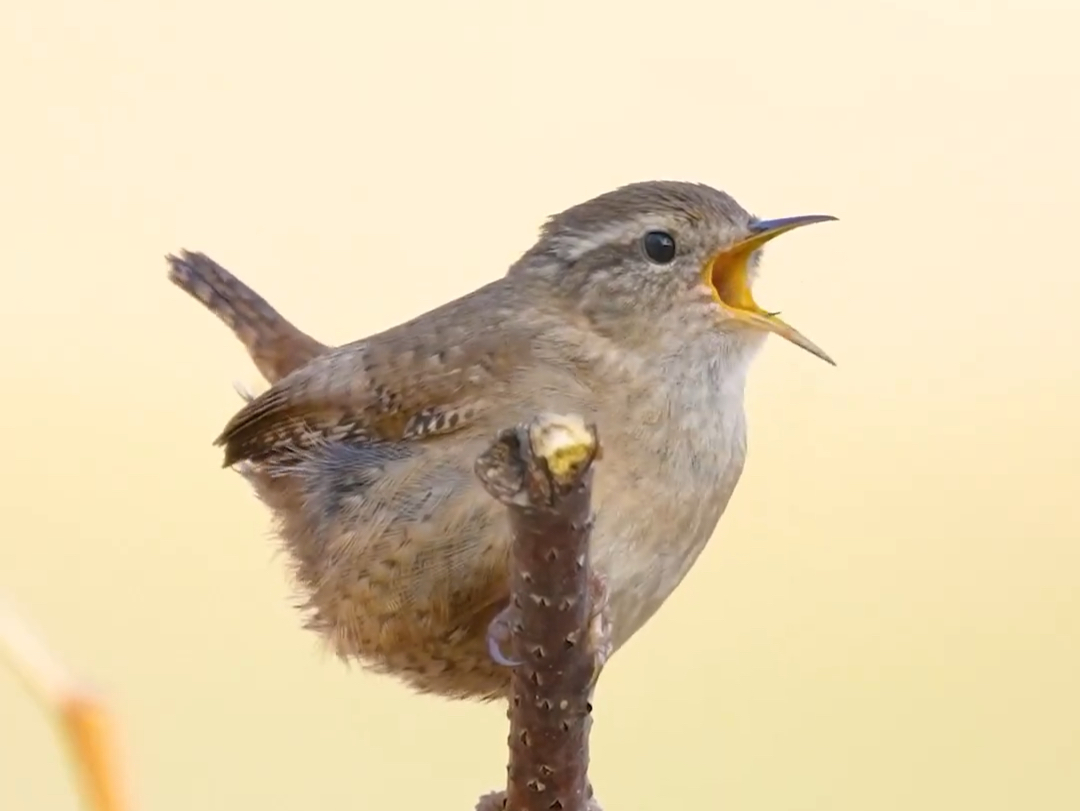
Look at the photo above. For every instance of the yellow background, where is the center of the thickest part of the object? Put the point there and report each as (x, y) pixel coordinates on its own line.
(889, 618)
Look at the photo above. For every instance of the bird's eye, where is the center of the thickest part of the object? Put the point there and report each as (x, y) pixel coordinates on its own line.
(659, 247)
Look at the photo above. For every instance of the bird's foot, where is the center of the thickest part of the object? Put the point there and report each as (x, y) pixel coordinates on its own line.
(499, 633)
(598, 635)
(599, 639)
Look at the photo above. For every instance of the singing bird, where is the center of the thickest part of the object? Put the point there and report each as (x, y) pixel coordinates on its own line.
(632, 309)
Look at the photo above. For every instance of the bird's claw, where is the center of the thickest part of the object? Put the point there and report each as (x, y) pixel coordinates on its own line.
(498, 635)
(599, 629)
(598, 633)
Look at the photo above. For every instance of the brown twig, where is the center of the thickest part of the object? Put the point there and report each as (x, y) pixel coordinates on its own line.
(542, 472)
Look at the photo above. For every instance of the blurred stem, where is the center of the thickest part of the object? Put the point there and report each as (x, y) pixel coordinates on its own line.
(83, 720)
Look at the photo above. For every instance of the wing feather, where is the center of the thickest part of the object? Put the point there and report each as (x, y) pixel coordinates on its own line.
(396, 386)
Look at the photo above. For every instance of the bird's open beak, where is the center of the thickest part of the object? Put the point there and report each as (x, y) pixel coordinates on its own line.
(727, 274)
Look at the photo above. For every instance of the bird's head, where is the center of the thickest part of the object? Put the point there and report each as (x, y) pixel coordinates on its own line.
(663, 251)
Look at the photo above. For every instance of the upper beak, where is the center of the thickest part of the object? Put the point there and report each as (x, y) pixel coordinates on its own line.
(727, 273)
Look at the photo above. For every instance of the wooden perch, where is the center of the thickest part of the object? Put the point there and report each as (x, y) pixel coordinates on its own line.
(542, 472)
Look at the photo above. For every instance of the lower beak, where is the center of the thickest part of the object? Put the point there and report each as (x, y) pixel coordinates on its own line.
(727, 274)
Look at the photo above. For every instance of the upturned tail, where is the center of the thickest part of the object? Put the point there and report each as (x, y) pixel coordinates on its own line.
(276, 346)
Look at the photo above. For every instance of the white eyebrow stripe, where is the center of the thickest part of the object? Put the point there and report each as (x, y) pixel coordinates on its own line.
(572, 246)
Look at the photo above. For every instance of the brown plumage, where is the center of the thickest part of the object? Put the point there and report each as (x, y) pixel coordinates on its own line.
(276, 346)
(364, 453)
